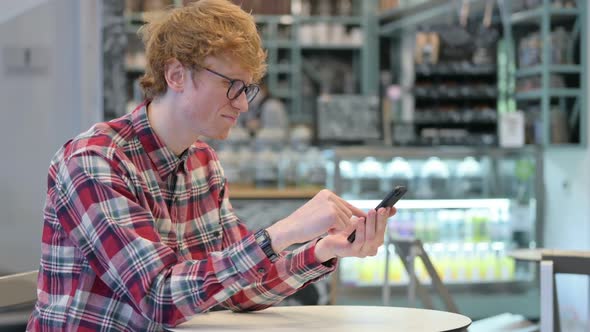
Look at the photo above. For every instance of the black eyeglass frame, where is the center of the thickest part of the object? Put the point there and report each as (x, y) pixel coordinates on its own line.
(244, 89)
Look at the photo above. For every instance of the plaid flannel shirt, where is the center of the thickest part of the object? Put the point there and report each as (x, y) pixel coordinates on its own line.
(138, 239)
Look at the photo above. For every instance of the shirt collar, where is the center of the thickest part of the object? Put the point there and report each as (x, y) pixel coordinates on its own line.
(161, 156)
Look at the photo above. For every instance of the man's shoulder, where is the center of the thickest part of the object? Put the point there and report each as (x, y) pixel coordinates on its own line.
(103, 138)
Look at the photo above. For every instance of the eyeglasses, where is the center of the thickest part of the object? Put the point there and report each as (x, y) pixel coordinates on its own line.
(236, 87)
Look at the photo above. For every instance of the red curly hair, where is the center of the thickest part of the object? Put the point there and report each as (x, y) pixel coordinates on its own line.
(194, 32)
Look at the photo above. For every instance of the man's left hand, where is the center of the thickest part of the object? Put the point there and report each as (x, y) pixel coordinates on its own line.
(370, 234)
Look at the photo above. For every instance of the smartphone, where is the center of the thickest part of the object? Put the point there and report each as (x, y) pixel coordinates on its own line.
(388, 201)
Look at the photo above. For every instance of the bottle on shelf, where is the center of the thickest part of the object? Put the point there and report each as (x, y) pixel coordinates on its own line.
(478, 219)
(231, 164)
(421, 228)
(397, 271)
(287, 167)
(469, 179)
(403, 225)
(311, 170)
(432, 224)
(247, 167)
(398, 172)
(230, 155)
(369, 172)
(444, 225)
(349, 180)
(470, 262)
(350, 270)
(266, 168)
(434, 179)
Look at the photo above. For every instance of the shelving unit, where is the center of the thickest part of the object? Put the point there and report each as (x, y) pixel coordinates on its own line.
(570, 100)
(294, 51)
(282, 49)
(447, 102)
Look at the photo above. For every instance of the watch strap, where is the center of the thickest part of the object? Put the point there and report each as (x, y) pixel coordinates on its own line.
(263, 239)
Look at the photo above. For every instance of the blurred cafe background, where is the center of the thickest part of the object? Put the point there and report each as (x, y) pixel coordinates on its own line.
(479, 107)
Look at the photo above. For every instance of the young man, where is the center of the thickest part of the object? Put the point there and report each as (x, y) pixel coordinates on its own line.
(138, 231)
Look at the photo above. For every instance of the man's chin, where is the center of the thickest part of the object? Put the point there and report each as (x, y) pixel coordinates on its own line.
(219, 136)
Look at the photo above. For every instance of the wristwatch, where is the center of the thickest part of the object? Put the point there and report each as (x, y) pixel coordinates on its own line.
(263, 239)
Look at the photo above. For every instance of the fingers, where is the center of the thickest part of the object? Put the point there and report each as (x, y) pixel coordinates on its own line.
(372, 239)
(370, 228)
(348, 229)
(392, 211)
(353, 224)
(353, 210)
(359, 241)
(382, 224)
(341, 210)
(371, 233)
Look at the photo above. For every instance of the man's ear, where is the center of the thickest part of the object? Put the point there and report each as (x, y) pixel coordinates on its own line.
(174, 74)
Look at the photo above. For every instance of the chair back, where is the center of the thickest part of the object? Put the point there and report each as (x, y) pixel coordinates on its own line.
(18, 289)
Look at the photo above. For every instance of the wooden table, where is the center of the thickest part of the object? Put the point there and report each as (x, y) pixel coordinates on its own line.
(329, 318)
(536, 255)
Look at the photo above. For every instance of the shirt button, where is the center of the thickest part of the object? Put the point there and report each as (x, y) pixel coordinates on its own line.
(261, 270)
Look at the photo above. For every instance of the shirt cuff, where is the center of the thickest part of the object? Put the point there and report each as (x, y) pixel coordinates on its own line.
(305, 266)
(250, 260)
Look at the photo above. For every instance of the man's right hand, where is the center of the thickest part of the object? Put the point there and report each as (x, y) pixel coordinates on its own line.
(325, 212)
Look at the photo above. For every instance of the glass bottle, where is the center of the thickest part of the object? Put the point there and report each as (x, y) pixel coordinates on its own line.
(434, 178)
(469, 179)
(398, 172)
(266, 168)
(348, 179)
(370, 172)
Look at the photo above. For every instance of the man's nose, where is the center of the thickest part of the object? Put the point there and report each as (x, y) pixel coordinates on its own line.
(241, 102)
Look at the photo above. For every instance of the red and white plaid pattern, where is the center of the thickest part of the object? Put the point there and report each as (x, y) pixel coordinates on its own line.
(138, 239)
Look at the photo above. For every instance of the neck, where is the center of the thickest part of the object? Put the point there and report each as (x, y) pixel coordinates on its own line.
(166, 123)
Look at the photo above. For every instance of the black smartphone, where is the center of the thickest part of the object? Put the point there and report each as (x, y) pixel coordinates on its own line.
(388, 201)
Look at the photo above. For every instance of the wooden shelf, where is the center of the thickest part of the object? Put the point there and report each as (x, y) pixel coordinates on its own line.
(240, 192)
